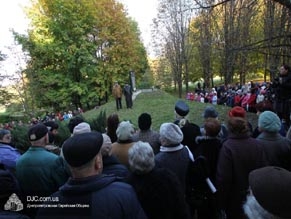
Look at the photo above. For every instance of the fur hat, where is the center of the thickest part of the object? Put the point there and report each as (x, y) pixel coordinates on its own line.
(269, 122)
(83, 127)
(271, 188)
(181, 108)
(171, 133)
(210, 112)
(82, 148)
(237, 111)
(37, 132)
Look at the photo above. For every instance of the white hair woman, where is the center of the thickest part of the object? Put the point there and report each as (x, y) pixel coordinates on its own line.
(141, 158)
(158, 189)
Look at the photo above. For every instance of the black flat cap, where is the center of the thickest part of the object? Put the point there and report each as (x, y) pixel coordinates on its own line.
(181, 108)
(37, 131)
(82, 148)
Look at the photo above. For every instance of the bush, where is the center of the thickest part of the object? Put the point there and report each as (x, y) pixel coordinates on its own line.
(145, 85)
(20, 139)
(99, 124)
(21, 142)
(4, 118)
(63, 133)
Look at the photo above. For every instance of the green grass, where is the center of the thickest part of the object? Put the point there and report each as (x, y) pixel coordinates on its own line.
(161, 107)
(157, 103)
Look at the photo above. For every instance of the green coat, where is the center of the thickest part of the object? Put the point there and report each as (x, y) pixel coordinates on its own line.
(40, 172)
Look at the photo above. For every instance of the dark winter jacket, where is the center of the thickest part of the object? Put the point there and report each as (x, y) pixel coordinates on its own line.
(176, 161)
(112, 166)
(160, 194)
(209, 148)
(190, 132)
(277, 149)
(282, 90)
(99, 196)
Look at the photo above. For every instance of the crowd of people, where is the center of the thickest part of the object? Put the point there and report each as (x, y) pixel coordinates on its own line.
(183, 170)
(246, 96)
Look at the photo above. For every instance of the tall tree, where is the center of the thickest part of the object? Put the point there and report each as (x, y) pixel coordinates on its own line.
(277, 36)
(76, 49)
(172, 26)
(205, 38)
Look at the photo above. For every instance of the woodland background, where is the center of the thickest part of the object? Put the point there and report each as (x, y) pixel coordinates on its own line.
(75, 50)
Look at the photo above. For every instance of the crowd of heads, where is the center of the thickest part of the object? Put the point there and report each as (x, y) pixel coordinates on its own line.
(246, 96)
(84, 149)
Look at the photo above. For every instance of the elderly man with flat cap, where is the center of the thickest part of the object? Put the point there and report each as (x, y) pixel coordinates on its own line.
(270, 194)
(89, 193)
(39, 172)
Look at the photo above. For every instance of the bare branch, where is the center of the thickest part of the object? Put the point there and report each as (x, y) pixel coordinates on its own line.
(201, 6)
(286, 3)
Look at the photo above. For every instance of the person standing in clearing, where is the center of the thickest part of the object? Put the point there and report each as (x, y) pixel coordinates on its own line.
(127, 91)
(117, 94)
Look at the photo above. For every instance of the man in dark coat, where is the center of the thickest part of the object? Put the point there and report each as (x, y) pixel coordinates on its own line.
(270, 193)
(127, 91)
(282, 87)
(89, 194)
(39, 172)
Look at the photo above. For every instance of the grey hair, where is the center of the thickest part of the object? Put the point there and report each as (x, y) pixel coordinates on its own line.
(254, 210)
(124, 130)
(141, 158)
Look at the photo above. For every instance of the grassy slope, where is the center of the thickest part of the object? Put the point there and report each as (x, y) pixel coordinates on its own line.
(161, 107)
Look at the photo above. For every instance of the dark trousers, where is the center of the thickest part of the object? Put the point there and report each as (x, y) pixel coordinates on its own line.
(282, 107)
(128, 100)
(118, 103)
